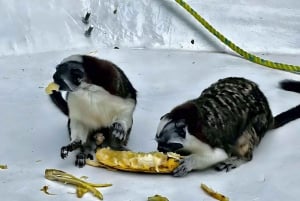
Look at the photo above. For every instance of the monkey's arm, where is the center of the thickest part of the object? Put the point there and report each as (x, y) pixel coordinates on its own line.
(198, 161)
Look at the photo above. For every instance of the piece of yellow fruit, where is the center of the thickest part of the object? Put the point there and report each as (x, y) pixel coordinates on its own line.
(214, 194)
(153, 162)
(157, 198)
(51, 87)
(82, 186)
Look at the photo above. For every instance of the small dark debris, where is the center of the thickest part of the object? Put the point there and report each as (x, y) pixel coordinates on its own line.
(115, 11)
(40, 87)
(193, 62)
(116, 47)
(193, 41)
(85, 19)
(88, 32)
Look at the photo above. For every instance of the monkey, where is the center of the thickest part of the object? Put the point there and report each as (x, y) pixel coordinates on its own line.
(220, 128)
(100, 102)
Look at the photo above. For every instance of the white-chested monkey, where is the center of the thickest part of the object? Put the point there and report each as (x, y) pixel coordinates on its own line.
(100, 99)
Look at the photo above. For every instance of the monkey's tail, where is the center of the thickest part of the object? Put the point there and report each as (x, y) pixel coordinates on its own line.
(290, 85)
(293, 113)
(287, 116)
(60, 102)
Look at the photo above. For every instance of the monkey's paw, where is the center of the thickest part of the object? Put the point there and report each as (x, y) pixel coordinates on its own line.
(81, 159)
(64, 151)
(118, 131)
(185, 166)
(223, 166)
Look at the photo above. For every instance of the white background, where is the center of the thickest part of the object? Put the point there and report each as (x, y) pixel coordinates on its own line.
(154, 37)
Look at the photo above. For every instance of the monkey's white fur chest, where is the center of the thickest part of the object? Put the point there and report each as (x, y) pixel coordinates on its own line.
(94, 107)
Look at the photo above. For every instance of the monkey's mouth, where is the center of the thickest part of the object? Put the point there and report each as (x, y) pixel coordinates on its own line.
(169, 147)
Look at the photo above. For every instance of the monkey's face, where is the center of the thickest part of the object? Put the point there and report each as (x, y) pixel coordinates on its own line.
(170, 135)
(69, 75)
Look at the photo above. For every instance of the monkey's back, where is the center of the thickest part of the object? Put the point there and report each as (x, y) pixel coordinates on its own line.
(229, 107)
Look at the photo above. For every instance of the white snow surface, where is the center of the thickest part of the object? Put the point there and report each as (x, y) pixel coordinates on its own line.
(154, 37)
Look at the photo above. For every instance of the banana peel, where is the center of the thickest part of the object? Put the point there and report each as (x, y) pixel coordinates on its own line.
(152, 162)
(82, 186)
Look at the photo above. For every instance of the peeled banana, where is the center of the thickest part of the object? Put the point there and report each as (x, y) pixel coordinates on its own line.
(153, 162)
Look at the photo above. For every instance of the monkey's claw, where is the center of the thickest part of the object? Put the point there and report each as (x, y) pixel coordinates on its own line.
(118, 131)
(183, 169)
(223, 166)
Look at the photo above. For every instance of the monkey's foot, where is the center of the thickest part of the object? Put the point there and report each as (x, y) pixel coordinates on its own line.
(118, 131)
(185, 166)
(64, 151)
(81, 159)
(229, 164)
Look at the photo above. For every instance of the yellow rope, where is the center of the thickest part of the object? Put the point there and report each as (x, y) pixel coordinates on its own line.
(237, 49)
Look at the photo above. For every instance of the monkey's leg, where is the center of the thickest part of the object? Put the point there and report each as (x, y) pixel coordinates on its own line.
(79, 136)
(242, 151)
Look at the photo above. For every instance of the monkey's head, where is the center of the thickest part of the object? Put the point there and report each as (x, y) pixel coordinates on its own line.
(69, 73)
(174, 133)
(171, 134)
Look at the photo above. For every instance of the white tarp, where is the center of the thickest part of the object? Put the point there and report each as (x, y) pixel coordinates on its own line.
(154, 37)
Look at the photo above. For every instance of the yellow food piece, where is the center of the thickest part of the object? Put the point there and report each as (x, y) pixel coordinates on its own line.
(214, 194)
(157, 198)
(45, 190)
(82, 186)
(153, 162)
(3, 167)
(51, 87)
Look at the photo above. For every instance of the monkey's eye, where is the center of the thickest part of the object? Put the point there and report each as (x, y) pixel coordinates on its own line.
(182, 133)
(76, 76)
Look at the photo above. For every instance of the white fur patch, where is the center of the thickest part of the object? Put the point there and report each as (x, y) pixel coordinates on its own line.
(161, 125)
(75, 57)
(203, 155)
(92, 107)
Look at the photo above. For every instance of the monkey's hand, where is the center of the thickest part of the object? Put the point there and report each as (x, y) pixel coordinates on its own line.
(185, 166)
(118, 131)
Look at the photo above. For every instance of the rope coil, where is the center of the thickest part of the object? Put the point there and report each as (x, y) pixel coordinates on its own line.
(235, 48)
